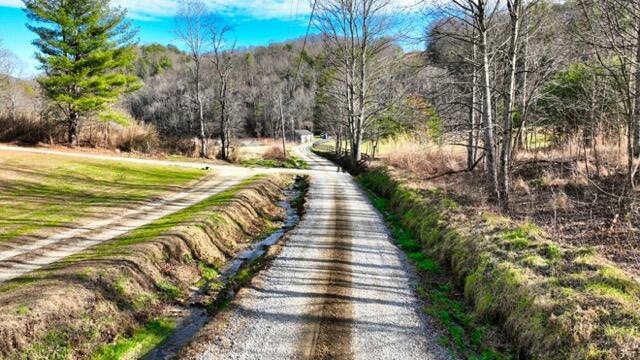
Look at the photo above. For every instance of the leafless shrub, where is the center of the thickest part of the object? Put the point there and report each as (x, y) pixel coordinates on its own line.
(274, 152)
(137, 137)
(29, 129)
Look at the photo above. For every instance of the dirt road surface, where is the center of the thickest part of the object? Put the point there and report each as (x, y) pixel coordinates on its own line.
(338, 290)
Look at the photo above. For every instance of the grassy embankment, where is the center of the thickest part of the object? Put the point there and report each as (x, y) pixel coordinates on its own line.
(111, 301)
(552, 301)
(291, 162)
(47, 191)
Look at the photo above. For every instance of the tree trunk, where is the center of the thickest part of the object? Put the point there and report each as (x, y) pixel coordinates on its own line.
(73, 127)
(505, 166)
(224, 131)
(203, 137)
(284, 136)
(634, 129)
(488, 126)
(472, 140)
(523, 104)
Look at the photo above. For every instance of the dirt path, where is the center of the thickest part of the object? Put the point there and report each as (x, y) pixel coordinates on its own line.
(338, 290)
(303, 151)
(17, 259)
(188, 164)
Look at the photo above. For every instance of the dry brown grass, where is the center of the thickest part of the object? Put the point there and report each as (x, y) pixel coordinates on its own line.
(139, 137)
(427, 159)
(605, 156)
(275, 153)
(270, 149)
(30, 129)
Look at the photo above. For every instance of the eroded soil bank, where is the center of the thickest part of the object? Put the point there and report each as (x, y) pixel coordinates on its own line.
(106, 294)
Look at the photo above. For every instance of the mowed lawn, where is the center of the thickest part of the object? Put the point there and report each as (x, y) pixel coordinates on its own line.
(40, 191)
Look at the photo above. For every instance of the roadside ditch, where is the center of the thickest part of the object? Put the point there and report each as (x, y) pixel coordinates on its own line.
(150, 290)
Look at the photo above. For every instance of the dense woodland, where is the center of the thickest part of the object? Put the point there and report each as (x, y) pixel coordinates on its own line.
(497, 79)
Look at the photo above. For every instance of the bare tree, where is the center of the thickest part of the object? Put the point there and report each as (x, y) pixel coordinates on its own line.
(357, 37)
(11, 68)
(223, 63)
(613, 28)
(191, 27)
(478, 14)
(515, 13)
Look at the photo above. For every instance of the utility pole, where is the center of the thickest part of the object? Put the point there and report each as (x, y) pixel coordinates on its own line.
(284, 137)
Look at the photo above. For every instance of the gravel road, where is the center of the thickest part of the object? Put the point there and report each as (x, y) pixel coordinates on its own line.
(338, 290)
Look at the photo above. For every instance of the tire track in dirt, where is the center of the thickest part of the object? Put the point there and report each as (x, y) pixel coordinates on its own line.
(330, 336)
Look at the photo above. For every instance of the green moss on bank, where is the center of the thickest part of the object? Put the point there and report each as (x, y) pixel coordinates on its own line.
(139, 343)
(467, 336)
(553, 302)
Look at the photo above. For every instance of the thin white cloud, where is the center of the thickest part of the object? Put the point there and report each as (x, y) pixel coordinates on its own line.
(11, 3)
(261, 9)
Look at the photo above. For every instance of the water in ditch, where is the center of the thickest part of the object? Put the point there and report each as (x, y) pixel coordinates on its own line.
(192, 318)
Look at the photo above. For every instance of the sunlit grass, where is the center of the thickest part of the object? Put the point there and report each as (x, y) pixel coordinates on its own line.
(139, 343)
(158, 227)
(42, 191)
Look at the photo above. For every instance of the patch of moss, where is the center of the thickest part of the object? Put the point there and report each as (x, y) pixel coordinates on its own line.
(538, 183)
(207, 272)
(535, 261)
(610, 292)
(169, 291)
(139, 343)
(22, 309)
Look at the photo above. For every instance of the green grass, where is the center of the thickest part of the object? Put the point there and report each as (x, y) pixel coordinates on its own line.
(292, 162)
(139, 343)
(63, 341)
(207, 274)
(162, 225)
(45, 191)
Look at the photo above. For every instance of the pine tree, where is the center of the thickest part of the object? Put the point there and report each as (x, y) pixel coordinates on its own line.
(84, 48)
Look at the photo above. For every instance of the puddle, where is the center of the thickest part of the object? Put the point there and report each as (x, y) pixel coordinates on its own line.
(194, 317)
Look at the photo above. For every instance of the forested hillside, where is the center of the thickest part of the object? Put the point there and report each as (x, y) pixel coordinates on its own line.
(262, 73)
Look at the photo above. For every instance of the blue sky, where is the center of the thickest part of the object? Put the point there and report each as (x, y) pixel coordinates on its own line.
(256, 22)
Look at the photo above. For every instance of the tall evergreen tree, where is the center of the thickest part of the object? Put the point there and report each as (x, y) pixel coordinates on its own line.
(84, 47)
